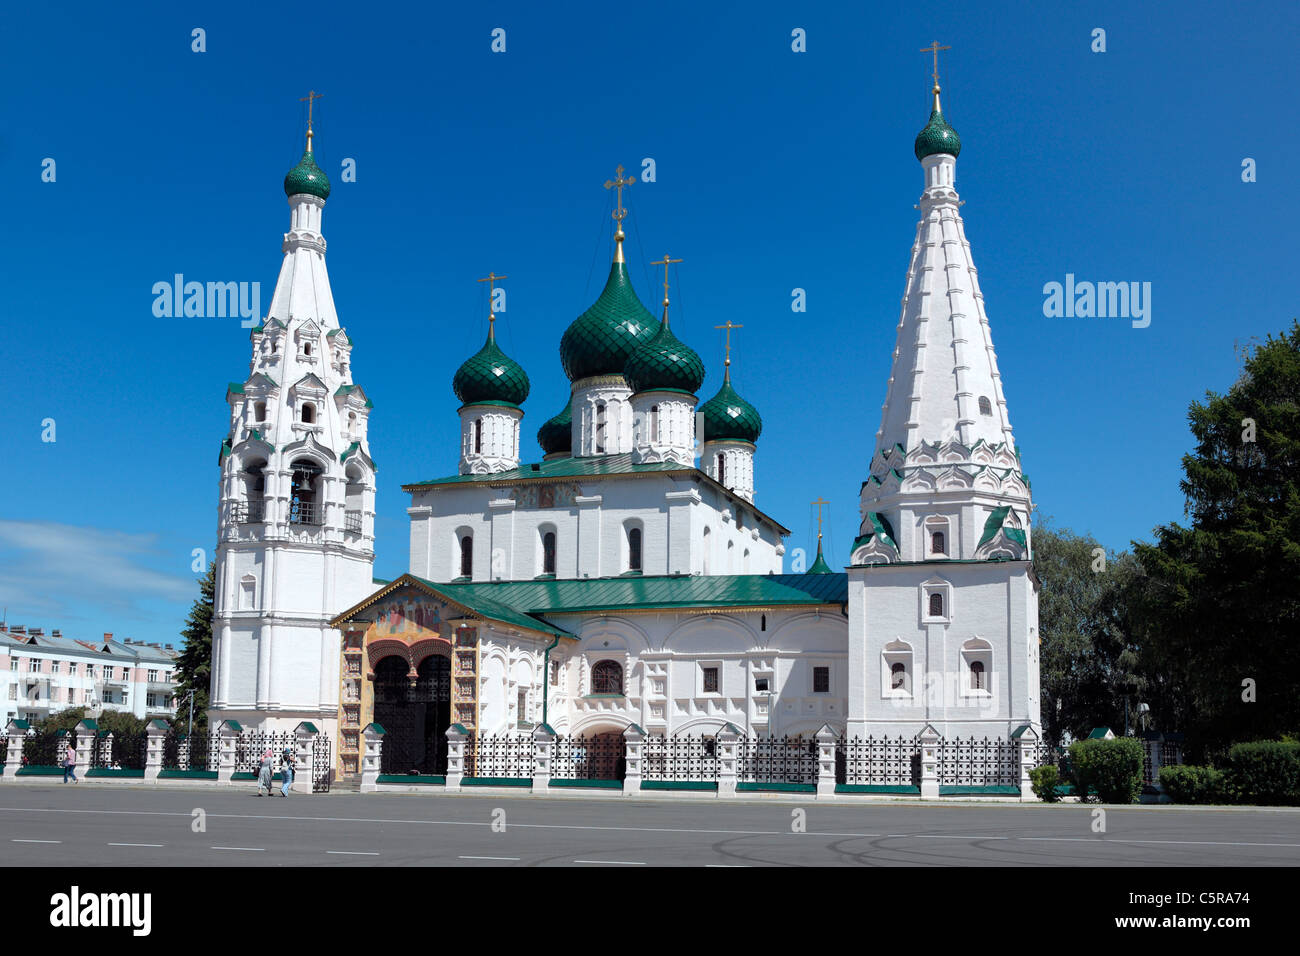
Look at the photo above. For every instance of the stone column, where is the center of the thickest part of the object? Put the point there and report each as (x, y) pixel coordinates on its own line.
(15, 734)
(305, 750)
(930, 741)
(154, 733)
(227, 739)
(456, 736)
(826, 761)
(728, 757)
(83, 740)
(634, 751)
(371, 754)
(1026, 740)
(543, 756)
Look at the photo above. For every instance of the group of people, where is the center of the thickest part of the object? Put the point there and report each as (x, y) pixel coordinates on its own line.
(267, 766)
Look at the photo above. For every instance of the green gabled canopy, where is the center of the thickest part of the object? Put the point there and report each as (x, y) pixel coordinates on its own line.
(937, 136)
(664, 363)
(728, 416)
(602, 339)
(994, 524)
(308, 178)
(489, 376)
(556, 434)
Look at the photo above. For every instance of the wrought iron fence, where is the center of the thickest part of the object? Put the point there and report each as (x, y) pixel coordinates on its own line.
(322, 768)
(598, 757)
(681, 757)
(119, 751)
(878, 761)
(777, 760)
(971, 762)
(46, 749)
(189, 751)
(498, 755)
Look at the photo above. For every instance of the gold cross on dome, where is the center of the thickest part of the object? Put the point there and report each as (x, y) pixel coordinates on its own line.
(618, 182)
(934, 48)
(309, 99)
(819, 502)
(491, 279)
(665, 262)
(729, 326)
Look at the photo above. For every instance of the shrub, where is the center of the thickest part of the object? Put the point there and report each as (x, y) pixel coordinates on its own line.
(1110, 769)
(1188, 784)
(1045, 780)
(1265, 772)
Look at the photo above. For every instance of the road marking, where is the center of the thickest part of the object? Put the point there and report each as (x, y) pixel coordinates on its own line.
(489, 858)
(135, 844)
(729, 866)
(352, 852)
(952, 836)
(35, 841)
(1170, 842)
(250, 849)
(613, 862)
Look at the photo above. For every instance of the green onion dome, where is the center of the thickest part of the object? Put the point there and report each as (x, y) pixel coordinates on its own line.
(307, 177)
(728, 416)
(602, 339)
(937, 136)
(556, 435)
(664, 362)
(490, 377)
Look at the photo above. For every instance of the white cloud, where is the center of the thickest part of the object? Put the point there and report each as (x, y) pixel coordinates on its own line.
(63, 571)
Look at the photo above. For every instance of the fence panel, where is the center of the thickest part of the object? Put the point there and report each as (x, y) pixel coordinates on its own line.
(499, 755)
(682, 757)
(119, 751)
(46, 749)
(878, 761)
(777, 760)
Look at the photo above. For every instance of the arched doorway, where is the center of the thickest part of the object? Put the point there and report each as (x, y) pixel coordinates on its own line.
(416, 716)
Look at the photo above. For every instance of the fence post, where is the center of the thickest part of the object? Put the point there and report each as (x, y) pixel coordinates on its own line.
(15, 734)
(543, 755)
(633, 751)
(371, 756)
(1157, 747)
(228, 734)
(304, 774)
(728, 738)
(826, 761)
(930, 741)
(86, 731)
(1026, 740)
(155, 732)
(456, 735)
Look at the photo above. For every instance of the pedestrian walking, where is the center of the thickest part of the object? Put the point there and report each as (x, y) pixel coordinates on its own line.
(70, 764)
(286, 771)
(264, 772)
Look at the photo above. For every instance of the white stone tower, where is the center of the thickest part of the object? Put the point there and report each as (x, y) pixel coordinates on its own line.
(297, 497)
(943, 603)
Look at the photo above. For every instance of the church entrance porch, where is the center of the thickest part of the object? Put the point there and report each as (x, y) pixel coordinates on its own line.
(415, 712)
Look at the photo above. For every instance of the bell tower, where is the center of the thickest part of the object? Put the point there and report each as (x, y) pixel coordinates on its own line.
(296, 496)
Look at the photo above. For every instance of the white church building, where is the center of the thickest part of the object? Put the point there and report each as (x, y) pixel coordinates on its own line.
(626, 582)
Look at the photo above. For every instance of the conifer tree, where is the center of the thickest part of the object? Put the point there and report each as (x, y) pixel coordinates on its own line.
(194, 666)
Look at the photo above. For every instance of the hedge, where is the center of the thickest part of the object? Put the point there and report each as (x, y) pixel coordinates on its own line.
(1265, 772)
(1191, 784)
(1110, 769)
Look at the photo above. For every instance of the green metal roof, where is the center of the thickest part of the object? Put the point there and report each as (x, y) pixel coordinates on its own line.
(937, 136)
(307, 177)
(600, 341)
(349, 389)
(664, 363)
(820, 566)
(994, 524)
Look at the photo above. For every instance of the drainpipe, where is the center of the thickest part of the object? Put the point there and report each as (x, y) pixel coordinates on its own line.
(546, 679)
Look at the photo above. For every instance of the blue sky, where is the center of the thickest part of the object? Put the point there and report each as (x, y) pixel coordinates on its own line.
(775, 170)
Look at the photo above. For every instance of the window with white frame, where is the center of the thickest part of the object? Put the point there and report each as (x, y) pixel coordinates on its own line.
(897, 670)
(937, 537)
(936, 602)
(821, 679)
(977, 664)
(54, 667)
(34, 666)
(153, 677)
(710, 678)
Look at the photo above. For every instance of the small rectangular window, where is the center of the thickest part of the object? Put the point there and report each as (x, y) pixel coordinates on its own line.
(710, 680)
(821, 680)
(760, 684)
(54, 667)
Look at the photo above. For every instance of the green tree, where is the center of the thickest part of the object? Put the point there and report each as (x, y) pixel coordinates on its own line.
(1221, 597)
(1088, 660)
(194, 666)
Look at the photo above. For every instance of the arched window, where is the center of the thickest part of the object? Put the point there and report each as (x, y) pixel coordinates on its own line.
(600, 428)
(308, 413)
(898, 676)
(252, 508)
(937, 545)
(478, 436)
(306, 348)
(352, 424)
(548, 553)
(634, 549)
(705, 545)
(607, 678)
(986, 407)
(467, 556)
(654, 423)
(304, 495)
(936, 604)
(722, 469)
(354, 499)
(260, 411)
(977, 675)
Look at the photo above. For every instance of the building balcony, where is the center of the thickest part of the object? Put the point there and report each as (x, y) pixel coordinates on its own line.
(352, 522)
(248, 512)
(306, 513)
